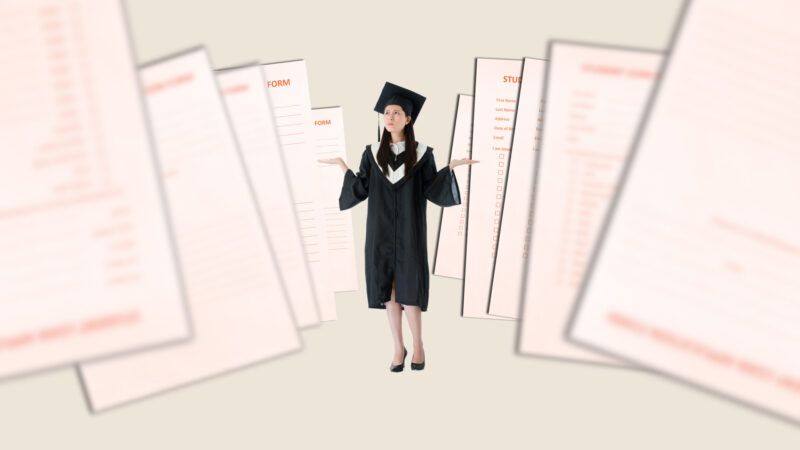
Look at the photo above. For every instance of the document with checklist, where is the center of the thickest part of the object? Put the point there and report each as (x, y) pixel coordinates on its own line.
(495, 104)
(249, 108)
(595, 98)
(697, 271)
(449, 258)
(287, 84)
(88, 266)
(513, 242)
(329, 143)
(240, 314)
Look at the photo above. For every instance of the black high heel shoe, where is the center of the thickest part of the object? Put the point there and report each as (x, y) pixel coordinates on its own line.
(402, 365)
(417, 366)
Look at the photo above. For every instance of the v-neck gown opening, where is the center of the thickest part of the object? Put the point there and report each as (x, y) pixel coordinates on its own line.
(396, 236)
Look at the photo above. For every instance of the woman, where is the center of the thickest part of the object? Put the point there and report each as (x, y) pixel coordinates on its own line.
(398, 175)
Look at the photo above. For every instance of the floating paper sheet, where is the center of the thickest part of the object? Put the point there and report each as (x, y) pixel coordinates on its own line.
(87, 263)
(287, 84)
(329, 143)
(598, 95)
(513, 243)
(239, 311)
(697, 271)
(449, 258)
(496, 89)
(251, 115)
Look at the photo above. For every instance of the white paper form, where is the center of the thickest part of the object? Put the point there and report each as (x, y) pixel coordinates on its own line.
(239, 310)
(595, 98)
(329, 143)
(287, 84)
(248, 106)
(87, 261)
(496, 89)
(698, 271)
(513, 243)
(449, 258)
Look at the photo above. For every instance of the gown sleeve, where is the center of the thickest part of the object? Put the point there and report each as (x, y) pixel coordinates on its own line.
(440, 187)
(355, 187)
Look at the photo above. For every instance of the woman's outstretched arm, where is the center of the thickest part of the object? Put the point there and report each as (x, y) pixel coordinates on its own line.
(441, 187)
(355, 186)
(459, 162)
(338, 161)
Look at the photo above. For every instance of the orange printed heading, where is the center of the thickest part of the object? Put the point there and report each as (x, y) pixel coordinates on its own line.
(279, 83)
(159, 86)
(617, 71)
(235, 89)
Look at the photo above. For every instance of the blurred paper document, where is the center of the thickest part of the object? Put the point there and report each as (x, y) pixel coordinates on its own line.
(239, 311)
(287, 84)
(329, 143)
(87, 263)
(496, 89)
(449, 258)
(698, 271)
(595, 98)
(513, 243)
(251, 116)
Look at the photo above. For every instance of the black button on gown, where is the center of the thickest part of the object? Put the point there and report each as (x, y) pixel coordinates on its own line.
(396, 243)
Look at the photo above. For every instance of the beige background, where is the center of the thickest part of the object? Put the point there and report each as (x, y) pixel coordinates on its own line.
(475, 392)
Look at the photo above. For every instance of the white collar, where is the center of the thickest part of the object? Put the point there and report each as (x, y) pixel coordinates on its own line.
(396, 175)
(398, 148)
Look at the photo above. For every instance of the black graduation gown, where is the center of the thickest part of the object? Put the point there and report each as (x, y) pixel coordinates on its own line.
(396, 242)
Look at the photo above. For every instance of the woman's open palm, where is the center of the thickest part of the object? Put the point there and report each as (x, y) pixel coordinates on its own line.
(339, 161)
(460, 162)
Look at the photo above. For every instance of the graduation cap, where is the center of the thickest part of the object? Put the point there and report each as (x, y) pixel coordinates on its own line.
(409, 101)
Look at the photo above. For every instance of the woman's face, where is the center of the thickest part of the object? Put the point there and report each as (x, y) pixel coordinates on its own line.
(394, 119)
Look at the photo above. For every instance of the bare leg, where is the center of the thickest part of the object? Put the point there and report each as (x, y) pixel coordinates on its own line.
(414, 317)
(395, 313)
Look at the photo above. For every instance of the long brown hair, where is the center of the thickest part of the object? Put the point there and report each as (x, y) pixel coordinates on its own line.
(385, 153)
